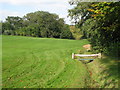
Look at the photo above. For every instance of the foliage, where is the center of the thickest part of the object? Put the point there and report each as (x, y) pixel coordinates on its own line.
(79, 12)
(8, 32)
(66, 33)
(76, 32)
(37, 24)
(100, 23)
(0, 28)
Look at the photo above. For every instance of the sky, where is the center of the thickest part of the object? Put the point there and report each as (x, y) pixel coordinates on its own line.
(22, 7)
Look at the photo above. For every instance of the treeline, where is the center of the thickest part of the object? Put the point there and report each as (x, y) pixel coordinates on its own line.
(100, 23)
(37, 24)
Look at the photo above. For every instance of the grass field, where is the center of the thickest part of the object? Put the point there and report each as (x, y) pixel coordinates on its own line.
(29, 62)
(42, 63)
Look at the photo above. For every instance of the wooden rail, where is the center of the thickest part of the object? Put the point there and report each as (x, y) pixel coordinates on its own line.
(87, 55)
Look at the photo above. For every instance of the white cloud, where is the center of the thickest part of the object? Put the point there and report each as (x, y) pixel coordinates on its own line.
(59, 7)
(5, 13)
(31, 2)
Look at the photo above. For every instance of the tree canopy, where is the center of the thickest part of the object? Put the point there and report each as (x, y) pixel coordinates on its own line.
(99, 22)
(37, 24)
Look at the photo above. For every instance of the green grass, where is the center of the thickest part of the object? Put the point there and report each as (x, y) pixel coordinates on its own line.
(42, 63)
(104, 73)
(29, 62)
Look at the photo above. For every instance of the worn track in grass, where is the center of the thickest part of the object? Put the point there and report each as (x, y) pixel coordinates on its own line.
(42, 63)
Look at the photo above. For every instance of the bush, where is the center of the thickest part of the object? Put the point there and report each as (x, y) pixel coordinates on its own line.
(66, 34)
(76, 32)
(8, 32)
(113, 50)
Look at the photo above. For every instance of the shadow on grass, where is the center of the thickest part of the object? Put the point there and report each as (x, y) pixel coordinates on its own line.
(106, 72)
(112, 65)
(85, 62)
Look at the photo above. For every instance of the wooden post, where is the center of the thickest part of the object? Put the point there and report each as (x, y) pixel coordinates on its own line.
(86, 55)
(73, 56)
(100, 55)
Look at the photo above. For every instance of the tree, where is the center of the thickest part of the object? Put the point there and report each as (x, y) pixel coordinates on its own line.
(100, 24)
(15, 22)
(76, 32)
(11, 24)
(0, 28)
(37, 24)
(45, 23)
(66, 33)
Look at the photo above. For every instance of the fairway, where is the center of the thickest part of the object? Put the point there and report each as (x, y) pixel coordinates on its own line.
(30, 62)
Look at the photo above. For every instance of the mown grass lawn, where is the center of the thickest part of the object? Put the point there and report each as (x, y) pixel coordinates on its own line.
(29, 62)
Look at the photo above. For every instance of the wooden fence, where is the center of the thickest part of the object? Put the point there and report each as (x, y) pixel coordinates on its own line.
(86, 55)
